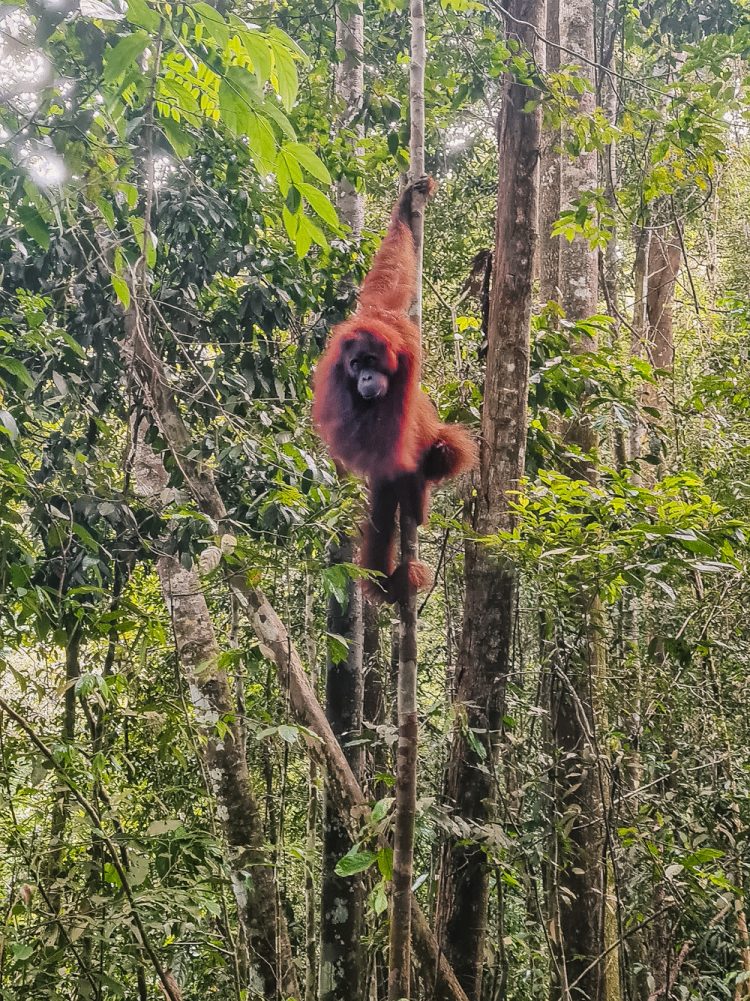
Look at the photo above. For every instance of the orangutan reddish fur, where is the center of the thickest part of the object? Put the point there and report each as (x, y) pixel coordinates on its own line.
(395, 440)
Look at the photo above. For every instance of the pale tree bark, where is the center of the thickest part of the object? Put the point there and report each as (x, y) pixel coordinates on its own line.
(350, 91)
(342, 957)
(484, 655)
(405, 811)
(577, 928)
(252, 877)
(549, 184)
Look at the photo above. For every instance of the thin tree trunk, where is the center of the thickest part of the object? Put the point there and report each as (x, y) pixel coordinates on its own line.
(342, 956)
(549, 182)
(399, 952)
(311, 820)
(61, 808)
(580, 777)
(486, 642)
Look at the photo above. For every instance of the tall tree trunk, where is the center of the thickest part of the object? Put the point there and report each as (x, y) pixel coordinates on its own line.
(342, 957)
(61, 808)
(549, 183)
(350, 91)
(484, 655)
(664, 258)
(405, 811)
(580, 779)
(311, 820)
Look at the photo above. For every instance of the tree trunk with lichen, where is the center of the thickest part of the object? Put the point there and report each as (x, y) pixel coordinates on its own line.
(580, 778)
(486, 639)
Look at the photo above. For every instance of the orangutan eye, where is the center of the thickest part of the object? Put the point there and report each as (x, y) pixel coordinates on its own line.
(354, 365)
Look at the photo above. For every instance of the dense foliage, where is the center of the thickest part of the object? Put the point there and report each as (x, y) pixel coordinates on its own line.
(183, 155)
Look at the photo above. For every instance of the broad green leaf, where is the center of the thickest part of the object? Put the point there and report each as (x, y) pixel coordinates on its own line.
(287, 83)
(107, 211)
(261, 142)
(34, 225)
(303, 240)
(180, 140)
(213, 22)
(288, 171)
(158, 827)
(142, 16)
(379, 899)
(337, 646)
(320, 204)
(238, 95)
(18, 370)
(288, 43)
(385, 861)
(272, 111)
(354, 862)
(309, 160)
(122, 291)
(138, 866)
(123, 55)
(258, 50)
(130, 191)
(381, 808)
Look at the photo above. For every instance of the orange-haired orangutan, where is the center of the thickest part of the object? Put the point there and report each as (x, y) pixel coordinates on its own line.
(376, 421)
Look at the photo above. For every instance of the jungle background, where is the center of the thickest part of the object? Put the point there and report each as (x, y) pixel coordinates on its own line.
(197, 713)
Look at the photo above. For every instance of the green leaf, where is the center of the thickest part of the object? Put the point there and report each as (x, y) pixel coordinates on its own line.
(123, 55)
(18, 370)
(180, 141)
(238, 95)
(270, 110)
(108, 213)
(34, 225)
(320, 204)
(258, 50)
(213, 22)
(381, 808)
(379, 899)
(337, 648)
(261, 142)
(122, 291)
(158, 827)
(141, 15)
(385, 862)
(287, 82)
(309, 160)
(355, 861)
(130, 191)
